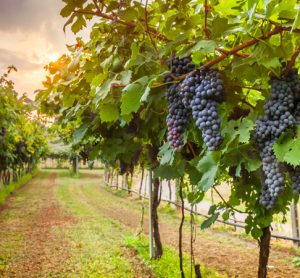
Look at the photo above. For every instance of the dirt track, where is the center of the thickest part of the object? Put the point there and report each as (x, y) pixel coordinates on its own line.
(30, 219)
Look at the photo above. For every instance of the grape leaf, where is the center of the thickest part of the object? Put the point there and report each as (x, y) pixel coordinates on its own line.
(131, 98)
(78, 24)
(166, 172)
(287, 148)
(209, 221)
(293, 155)
(102, 91)
(109, 112)
(166, 154)
(208, 166)
(79, 133)
(245, 129)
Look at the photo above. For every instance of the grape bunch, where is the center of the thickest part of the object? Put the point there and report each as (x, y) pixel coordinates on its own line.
(297, 113)
(187, 88)
(293, 79)
(180, 66)
(202, 92)
(274, 182)
(177, 118)
(295, 178)
(280, 115)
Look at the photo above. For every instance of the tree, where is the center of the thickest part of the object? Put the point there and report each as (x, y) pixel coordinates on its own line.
(22, 140)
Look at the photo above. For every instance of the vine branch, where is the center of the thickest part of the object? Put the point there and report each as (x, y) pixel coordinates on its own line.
(226, 203)
(292, 62)
(206, 11)
(131, 24)
(181, 231)
(245, 44)
(225, 53)
(97, 6)
(148, 29)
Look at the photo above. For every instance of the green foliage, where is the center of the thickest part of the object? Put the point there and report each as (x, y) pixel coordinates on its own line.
(164, 267)
(287, 148)
(9, 189)
(108, 93)
(22, 135)
(296, 261)
(208, 166)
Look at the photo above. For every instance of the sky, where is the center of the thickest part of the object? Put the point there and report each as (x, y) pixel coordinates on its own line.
(31, 36)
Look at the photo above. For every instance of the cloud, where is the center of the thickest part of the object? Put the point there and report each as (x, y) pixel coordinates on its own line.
(31, 33)
(17, 59)
(28, 15)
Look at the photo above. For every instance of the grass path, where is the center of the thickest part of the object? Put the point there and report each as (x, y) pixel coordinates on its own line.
(59, 226)
(217, 249)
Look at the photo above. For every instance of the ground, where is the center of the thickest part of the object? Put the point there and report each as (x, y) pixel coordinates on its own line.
(62, 226)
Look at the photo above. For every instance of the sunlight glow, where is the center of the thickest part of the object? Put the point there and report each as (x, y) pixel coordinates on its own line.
(53, 57)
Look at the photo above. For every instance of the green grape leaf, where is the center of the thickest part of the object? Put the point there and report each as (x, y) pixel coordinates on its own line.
(209, 221)
(108, 112)
(287, 148)
(245, 129)
(204, 47)
(78, 24)
(252, 163)
(208, 166)
(293, 155)
(166, 172)
(79, 133)
(68, 9)
(102, 91)
(256, 232)
(131, 98)
(125, 77)
(166, 154)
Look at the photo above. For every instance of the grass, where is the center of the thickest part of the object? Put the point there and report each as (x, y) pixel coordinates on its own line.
(99, 244)
(14, 220)
(96, 240)
(168, 264)
(9, 189)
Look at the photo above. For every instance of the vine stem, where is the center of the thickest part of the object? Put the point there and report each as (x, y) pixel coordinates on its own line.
(206, 11)
(226, 203)
(245, 44)
(131, 24)
(181, 230)
(292, 62)
(147, 28)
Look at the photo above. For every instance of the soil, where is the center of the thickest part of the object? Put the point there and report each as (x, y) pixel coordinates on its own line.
(237, 258)
(43, 254)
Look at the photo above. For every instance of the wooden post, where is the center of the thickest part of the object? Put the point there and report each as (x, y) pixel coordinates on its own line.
(150, 214)
(295, 223)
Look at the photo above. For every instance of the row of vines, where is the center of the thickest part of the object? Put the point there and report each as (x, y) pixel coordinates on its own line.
(22, 140)
(202, 92)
